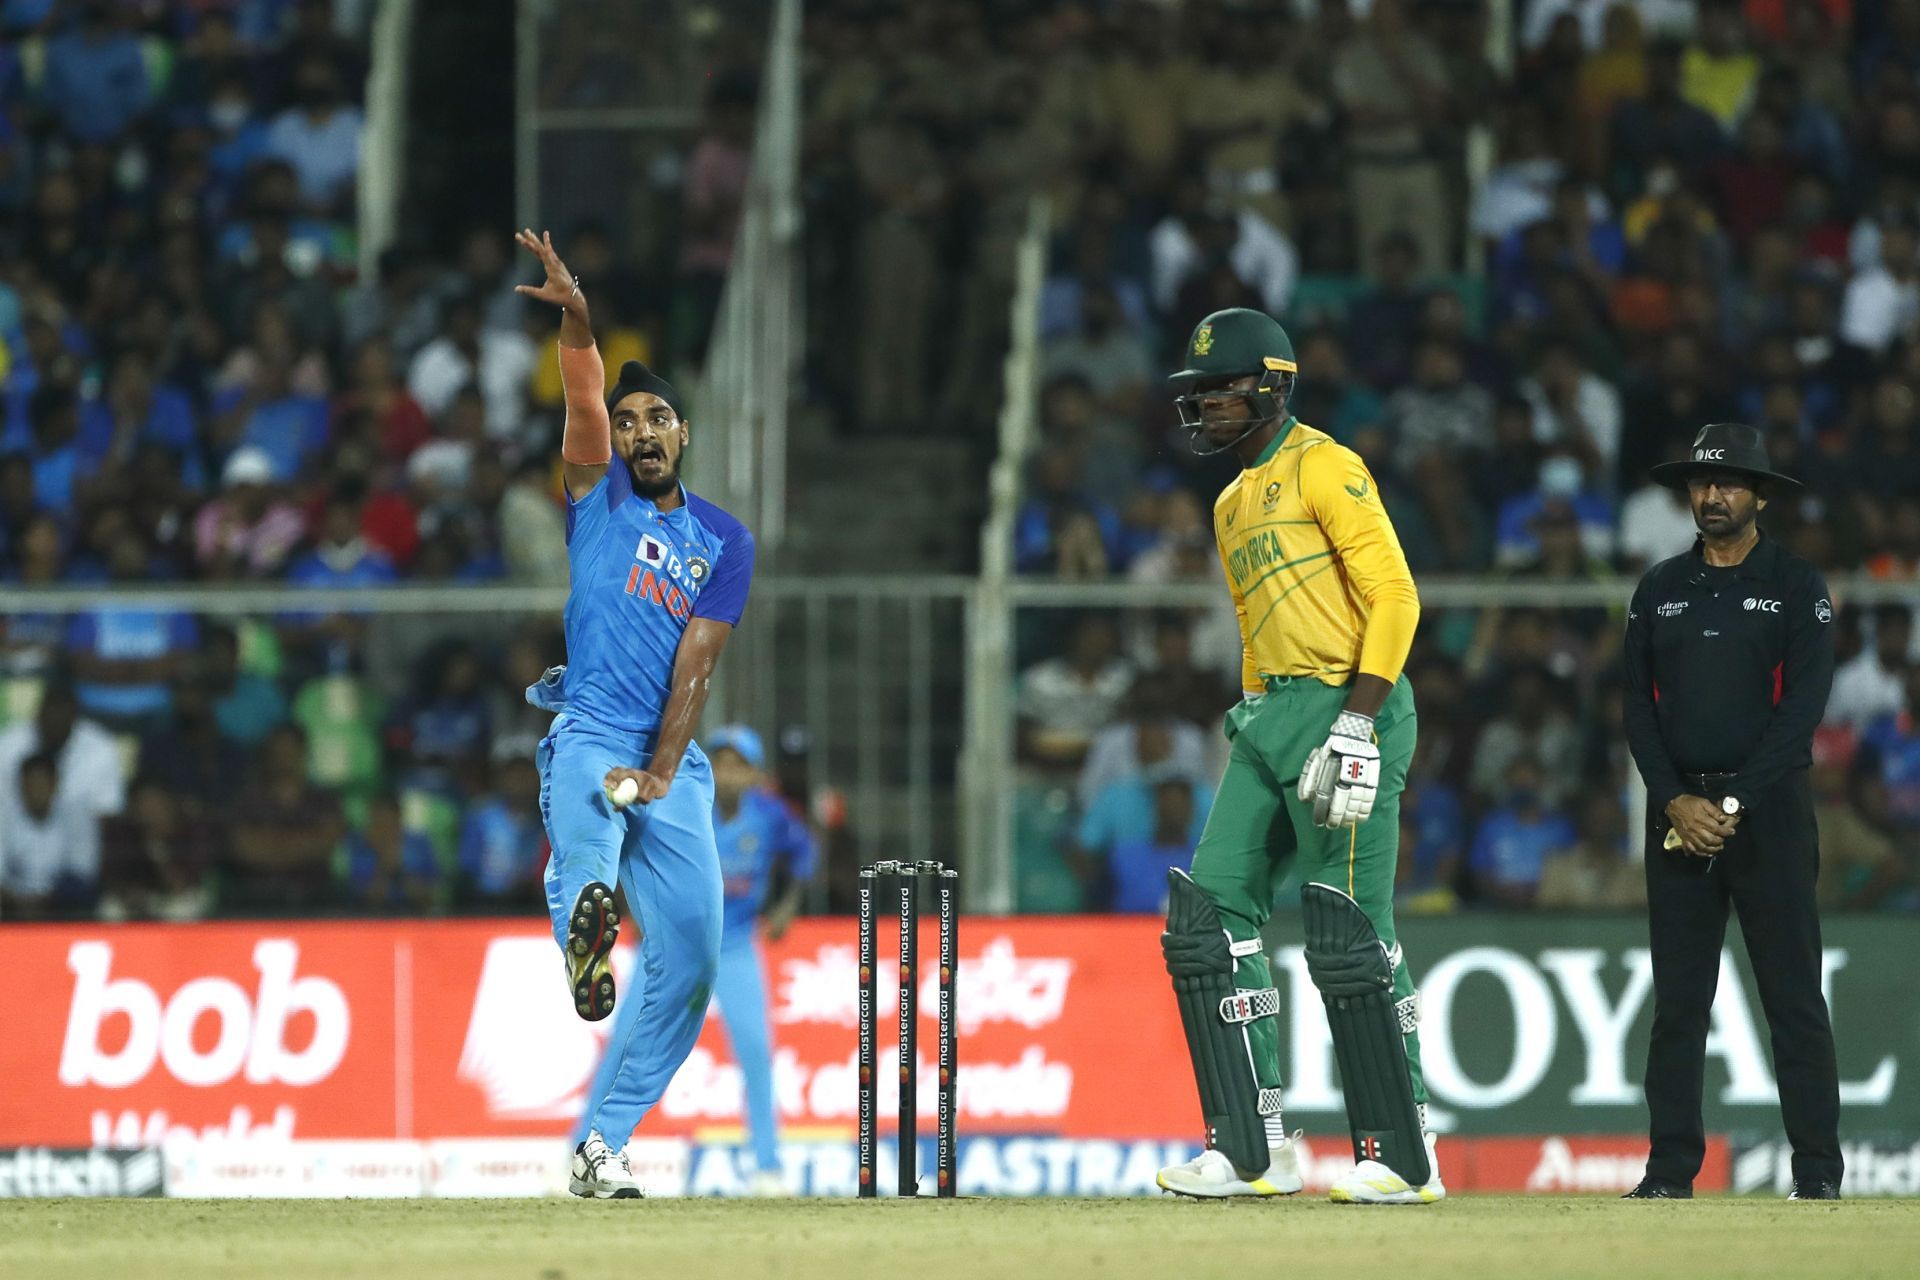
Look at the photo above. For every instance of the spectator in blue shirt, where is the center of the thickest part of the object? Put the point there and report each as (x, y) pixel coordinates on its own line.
(1516, 839)
(1133, 831)
(125, 659)
(389, 867)
(269, 414)
(503, 846)
(449, 729)
(246, 704)
(96, 78)
(136, 410)
(60, 464)
(1433, 833)
(320, 138)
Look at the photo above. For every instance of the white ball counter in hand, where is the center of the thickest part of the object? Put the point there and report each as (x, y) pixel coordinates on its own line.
(624, 793)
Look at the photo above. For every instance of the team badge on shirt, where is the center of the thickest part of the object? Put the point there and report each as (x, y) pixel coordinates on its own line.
(697, 569)
(1272, 497)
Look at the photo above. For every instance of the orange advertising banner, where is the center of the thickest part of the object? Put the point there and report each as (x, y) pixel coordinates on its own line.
(124, 1035)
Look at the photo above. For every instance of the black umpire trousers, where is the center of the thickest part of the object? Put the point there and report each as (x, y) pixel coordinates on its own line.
(1766, 872)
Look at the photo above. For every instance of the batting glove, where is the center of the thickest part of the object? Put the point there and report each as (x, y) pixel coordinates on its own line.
(1342, 776)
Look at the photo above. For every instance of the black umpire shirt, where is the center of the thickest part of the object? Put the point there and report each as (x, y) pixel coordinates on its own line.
(1727, 671)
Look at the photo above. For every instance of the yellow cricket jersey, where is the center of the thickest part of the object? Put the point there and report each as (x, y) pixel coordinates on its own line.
(1318, 578)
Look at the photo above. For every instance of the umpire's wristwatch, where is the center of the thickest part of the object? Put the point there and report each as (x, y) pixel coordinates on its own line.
(1730, 806)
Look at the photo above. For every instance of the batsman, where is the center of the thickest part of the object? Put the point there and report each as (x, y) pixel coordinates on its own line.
(1320, 746)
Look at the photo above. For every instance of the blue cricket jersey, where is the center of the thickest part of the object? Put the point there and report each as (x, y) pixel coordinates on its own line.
(763, 833)
(638, 577)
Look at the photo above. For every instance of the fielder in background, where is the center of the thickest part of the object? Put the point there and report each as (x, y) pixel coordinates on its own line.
(767, 857)
(1320, 747)
(659, 580)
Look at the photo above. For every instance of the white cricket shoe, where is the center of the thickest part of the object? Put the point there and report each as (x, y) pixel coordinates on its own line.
(1211, 1176)
(1371, 1182)
(767, 1184)
(601, 1173)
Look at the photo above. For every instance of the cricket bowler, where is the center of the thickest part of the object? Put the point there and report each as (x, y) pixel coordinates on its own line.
(659, 579)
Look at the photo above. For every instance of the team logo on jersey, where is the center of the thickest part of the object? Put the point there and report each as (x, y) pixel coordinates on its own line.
(1822, 610)
(1272, 497)
(1203, 340)
(698, 569)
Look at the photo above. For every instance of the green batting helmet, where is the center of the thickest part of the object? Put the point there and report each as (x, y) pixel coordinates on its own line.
(1236, 343)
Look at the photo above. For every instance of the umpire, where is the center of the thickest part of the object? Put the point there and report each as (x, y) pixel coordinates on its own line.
(1729, 657)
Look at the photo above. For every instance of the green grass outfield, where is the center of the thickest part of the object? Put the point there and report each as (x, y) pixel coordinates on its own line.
(1481, 1237)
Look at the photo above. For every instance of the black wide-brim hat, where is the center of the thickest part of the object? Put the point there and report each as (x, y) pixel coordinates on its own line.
(1723, 446)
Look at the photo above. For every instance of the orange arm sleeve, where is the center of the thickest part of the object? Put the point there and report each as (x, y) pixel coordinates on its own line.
(587, 440)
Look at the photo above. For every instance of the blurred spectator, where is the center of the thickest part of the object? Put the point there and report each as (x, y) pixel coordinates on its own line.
(1517, 838)
(715, 190)
(502, 842)
(1134, 830)
(1332, 398)
(1149, 738)
(198, 765)
(1384, 325)
(1392, 85)
(1718, 73)
(1563, 482)
(388, 867)
(498, 362)
(155, 858)
(1441, 412)
(342, 715)
(1534, 727)
(1889, 765)
(1872, 683)
(533, 527)
(447, 730)
(285, 830)
(342, 558)
(1063, 527)
(1596, 873)
(1882, 300)
(1432, 839)
(1656, 522)
(1662, 125)
(1108, 355)
(320, 137)
(1860, 865)
(95, 80)
(246, 704)
(1203, 236)
(125, 658)
(49, 847)
(248, 531)
(1064, 701)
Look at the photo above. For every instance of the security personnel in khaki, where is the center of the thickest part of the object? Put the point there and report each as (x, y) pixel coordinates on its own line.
(1320, 747)
(1729, 657)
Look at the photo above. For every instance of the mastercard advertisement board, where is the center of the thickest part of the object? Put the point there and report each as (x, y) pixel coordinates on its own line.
(452, 1045)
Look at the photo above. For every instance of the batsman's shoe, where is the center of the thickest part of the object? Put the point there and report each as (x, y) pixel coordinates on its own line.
(592, 930)
(601, 1173)
(1371, 1182)
(1813, 1189)
(1211, 1176)
(1654, 1189)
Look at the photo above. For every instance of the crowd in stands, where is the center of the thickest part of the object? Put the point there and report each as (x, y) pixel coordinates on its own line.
(1698, 211)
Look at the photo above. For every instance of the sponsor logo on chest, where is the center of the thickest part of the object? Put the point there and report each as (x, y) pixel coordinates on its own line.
(658, 572)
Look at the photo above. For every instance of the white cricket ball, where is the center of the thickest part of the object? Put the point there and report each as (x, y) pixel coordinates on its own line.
(624, 793)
